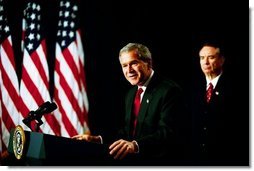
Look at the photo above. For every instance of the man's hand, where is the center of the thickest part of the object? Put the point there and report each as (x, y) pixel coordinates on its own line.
(119, 149)
(88, 138)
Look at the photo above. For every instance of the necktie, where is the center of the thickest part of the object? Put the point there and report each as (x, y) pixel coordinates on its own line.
(136, 107)
(209, 92)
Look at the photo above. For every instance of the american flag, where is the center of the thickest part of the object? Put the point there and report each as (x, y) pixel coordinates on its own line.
(34, 86)
(69, 75)
(9, 86)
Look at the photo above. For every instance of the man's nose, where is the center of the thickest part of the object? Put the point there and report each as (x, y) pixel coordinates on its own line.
(206, 61)
(129, 68)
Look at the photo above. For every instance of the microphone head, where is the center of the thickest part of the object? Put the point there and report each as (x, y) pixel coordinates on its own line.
(44, 105)
(50, 108)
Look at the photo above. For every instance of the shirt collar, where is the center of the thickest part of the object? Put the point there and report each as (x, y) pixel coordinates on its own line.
(147, 81)
(213, 81)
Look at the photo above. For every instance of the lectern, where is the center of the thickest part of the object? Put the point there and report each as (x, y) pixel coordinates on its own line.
(45, 149)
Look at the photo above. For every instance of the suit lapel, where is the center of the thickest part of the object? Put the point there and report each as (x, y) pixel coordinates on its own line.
(146, 101)
(217, 91)
(142, 113)
(129, 105)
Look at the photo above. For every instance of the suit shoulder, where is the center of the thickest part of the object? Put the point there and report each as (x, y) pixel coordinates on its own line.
(168, 83)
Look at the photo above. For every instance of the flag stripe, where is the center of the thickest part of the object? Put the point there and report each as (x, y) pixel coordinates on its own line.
(67, 128)
(7, 49)
(85, 105)
(7, 120)
(8, 80)
(9, 98)
(67, 104)
(34, 87)
(39, 61)
(70, 92)
(9, 95)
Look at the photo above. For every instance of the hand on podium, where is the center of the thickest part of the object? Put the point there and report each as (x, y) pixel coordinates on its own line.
(120, 148)
(89, 138)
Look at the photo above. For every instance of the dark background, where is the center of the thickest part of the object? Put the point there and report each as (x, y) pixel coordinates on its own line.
(171, 30)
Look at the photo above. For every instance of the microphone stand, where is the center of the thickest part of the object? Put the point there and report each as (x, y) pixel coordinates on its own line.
(45, 108)
(32, 115)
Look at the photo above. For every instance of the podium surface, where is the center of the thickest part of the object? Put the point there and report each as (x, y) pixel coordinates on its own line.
(45, 149)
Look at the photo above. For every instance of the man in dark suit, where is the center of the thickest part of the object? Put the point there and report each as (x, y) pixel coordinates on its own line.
(219, 125)
(154, 135)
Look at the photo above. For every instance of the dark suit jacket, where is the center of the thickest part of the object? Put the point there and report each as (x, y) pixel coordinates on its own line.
(220, 128)
(160, 123)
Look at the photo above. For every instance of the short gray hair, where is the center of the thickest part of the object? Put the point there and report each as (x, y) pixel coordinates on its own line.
(141, 50)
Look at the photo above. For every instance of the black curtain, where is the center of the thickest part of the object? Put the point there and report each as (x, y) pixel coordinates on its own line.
(172, 31)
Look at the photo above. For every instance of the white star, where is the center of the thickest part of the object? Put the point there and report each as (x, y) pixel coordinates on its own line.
(61, 3)
(65, 24)
(58, 33)
(64, 33)
(28, 5)
(63, 43)
(30, 46)
(1, 18)
(38, 8)
(73, 15)
(67, 4)
(34, 6)
(75, 7)
(60, 13)
(33, 16)
(71, 34)
(32, 26)
(38, 36)
(7, 29)
(59, 23)
(72, 24)
(31, 36)
(66, 14)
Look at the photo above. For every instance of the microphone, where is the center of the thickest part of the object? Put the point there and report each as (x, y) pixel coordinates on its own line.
(45, 108)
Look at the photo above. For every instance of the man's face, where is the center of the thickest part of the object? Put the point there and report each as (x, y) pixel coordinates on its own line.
(210, 61)
(135, 70)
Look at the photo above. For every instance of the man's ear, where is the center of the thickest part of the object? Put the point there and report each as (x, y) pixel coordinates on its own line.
(222, 60)
(149, 63)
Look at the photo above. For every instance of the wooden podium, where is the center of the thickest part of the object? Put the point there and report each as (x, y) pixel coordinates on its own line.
(44, 149)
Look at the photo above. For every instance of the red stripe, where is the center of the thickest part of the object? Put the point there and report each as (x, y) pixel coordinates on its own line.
(9, 87)
(6, 45)
(83, 82)
(70, 61)
(69, 93)
(52, 121)
(68, 125)
(71, 97)
(6, 118)
(1, 134)
(67, 89)
(31, 87)
(35, 58)
(43, 45)
(83, 75)
(66, 121)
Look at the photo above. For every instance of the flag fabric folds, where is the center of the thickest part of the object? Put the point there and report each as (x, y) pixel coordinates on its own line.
(69, 75)
(34, 85)
(9, 86)
(18, 98)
